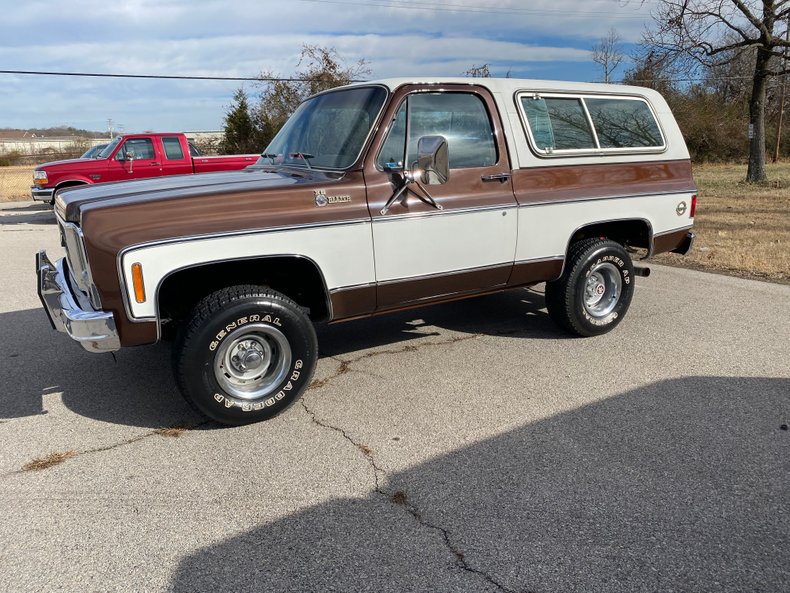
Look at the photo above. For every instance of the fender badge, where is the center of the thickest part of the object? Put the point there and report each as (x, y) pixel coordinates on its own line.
(681, 209)
(321, 199)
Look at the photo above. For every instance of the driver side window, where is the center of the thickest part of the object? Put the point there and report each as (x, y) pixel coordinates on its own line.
(461, 118)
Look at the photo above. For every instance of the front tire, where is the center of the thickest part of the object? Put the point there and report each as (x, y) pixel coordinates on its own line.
(594, 292)
(245, 355)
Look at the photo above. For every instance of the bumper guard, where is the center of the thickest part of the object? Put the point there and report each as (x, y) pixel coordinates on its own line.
(94, 330)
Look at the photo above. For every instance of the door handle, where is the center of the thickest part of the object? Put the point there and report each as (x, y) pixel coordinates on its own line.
(156, 164)
(501, 177)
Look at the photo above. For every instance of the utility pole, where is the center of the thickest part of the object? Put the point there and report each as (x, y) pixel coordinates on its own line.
(782, 98)
(109, 127)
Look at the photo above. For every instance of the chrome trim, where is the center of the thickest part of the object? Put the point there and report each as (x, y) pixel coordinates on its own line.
(352, 287)
(94, 330)
(471, 210)
(41, 195)
(81, 273)
(537, 260)
(625, 197)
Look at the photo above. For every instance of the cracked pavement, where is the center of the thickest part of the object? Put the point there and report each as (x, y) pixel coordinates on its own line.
(465, 447)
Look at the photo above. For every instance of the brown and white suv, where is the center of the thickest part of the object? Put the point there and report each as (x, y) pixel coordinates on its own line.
(374, 197)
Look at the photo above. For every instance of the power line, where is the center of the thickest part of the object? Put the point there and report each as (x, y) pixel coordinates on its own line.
(153, 76)
(273, 79)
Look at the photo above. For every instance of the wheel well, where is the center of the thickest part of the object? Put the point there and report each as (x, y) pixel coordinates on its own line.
(66, 184)
(629, 233)
(296, 277)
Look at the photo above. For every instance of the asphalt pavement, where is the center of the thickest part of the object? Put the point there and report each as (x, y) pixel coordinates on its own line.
(471, 446)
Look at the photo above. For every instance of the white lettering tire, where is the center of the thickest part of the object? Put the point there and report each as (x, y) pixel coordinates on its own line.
(594, 292)
(245, 355)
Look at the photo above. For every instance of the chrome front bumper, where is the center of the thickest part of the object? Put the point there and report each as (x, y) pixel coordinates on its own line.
(42, 195)
(70, 312)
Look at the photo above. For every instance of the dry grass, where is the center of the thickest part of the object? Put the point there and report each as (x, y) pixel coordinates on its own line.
(742, 229)
(48, 461)
(15, 183)
(171, 431)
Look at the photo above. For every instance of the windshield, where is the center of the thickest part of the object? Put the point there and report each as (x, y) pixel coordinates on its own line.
(104, 154)
(327, 131)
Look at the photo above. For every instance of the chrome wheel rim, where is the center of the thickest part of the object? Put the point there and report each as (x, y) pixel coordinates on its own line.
(252, 361)
(602, 289)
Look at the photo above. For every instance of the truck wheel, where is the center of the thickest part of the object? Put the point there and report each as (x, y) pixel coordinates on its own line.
(245, 355)
(595, 289)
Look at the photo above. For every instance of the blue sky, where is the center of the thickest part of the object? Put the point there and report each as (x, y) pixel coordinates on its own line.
(529, 38)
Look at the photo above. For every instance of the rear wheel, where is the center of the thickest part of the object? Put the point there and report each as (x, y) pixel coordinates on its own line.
(594, 292)
(246, 354)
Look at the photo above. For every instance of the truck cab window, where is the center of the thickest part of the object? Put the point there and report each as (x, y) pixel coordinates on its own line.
(142, 148)
(461, 118)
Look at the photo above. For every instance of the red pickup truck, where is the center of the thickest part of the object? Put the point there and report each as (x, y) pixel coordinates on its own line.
(133, 156)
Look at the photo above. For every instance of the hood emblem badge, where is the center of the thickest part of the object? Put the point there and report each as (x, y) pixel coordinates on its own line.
(321, 199)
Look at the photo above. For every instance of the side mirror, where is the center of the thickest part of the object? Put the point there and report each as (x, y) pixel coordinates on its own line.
(433, 163)
(129, 155)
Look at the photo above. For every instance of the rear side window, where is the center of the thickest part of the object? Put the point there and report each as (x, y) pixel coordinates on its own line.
(624, 123)
(566, 125)
(560, 123)
(173, 150)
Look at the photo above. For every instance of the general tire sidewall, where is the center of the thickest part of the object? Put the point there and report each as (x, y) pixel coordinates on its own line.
(603, 254)
(211, 398)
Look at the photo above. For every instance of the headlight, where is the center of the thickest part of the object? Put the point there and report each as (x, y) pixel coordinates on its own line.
(40, 177)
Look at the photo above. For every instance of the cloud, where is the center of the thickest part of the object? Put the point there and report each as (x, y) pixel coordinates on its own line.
(547, 38)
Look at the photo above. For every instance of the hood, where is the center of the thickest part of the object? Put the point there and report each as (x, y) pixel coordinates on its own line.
(254, 178)
(68, 163)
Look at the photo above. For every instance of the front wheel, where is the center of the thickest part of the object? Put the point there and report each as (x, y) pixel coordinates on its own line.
(594, 292)
(246, 354)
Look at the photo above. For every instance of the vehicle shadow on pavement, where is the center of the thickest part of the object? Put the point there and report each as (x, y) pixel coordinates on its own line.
(136, 387)
(677, 486)
(515, 313)
(33, 214)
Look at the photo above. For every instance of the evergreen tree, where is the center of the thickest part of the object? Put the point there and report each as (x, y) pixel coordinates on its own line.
(241, 134)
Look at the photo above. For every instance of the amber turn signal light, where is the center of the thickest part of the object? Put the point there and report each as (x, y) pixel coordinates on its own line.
(137, 281)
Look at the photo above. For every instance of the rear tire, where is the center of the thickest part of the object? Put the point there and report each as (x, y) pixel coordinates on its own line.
(594, 292)
(245, 355)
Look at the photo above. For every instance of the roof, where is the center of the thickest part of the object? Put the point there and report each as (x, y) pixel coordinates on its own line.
(510, 85)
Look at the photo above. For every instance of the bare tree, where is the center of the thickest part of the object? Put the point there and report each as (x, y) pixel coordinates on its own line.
(608, 53)
(713, 33)
(481, 71)
(319, 69)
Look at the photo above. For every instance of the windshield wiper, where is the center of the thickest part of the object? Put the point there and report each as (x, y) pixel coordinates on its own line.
(305, 156)
(270, 155)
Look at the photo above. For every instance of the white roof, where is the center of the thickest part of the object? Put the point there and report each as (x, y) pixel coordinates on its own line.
(509, 85)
